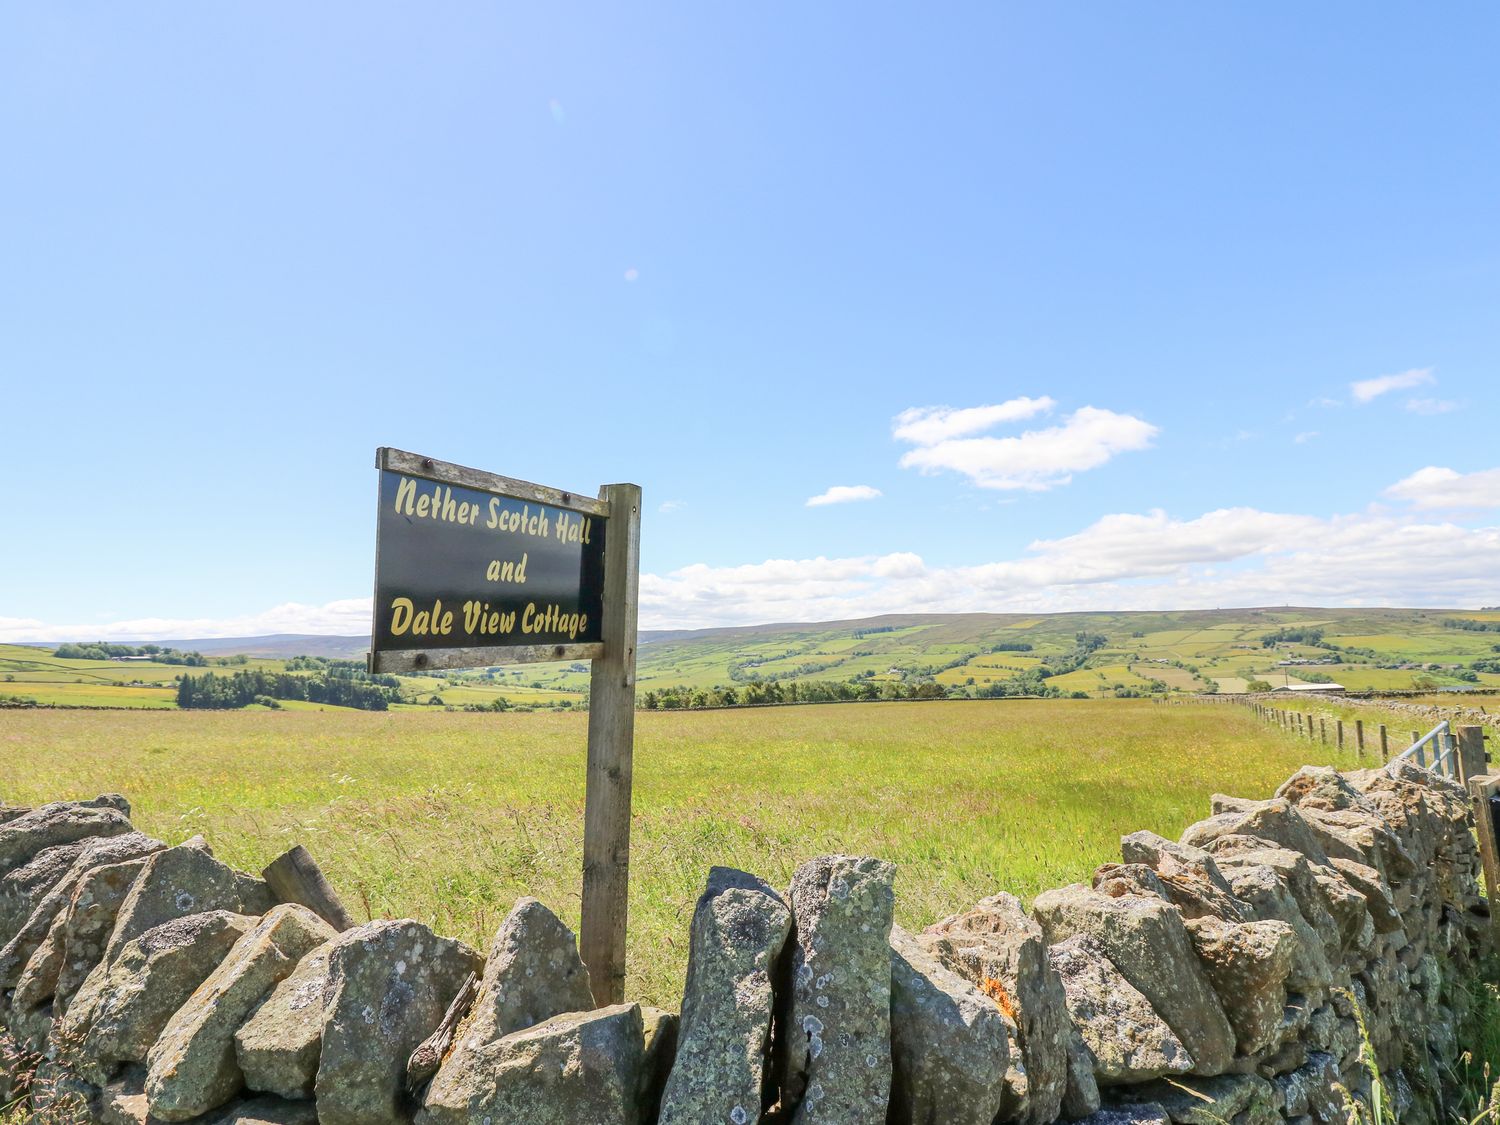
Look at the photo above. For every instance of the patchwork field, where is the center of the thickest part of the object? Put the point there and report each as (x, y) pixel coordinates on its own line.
(448, 817)
(1101, 655)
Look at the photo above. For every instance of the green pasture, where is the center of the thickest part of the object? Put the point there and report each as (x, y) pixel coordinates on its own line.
(1223, 645)
(448, 817)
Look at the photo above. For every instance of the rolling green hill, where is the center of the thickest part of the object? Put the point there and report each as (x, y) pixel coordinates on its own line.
(1187, 651)
(1102, 655)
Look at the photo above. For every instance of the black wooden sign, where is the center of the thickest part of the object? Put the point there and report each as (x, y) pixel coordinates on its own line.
(473, 569)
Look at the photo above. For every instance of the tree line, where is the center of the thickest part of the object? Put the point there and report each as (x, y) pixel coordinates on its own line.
(102, 650)
(750, 690)
(222, 693)
(1468, 624)
(760, 692)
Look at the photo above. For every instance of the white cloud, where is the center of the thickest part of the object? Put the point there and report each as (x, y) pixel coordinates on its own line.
(1230, 557)
(1429, 405)
(1367, 389)
(347, 617)
(928, 425)
(1439, 488)
(844, 494)
(1323, 402)
(1036, 460)
(667, 507)
(1125, 560)
(1305, 437)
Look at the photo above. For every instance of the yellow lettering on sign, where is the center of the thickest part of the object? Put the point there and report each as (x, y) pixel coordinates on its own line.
(401, 610)
(404, 493)
(508, 571)
(552, 619)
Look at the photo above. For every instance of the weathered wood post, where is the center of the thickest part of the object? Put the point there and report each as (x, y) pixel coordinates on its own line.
(1309, 727)
(606, 810)
(1339, 728)
(1481, 788)
(296, 877)
(1322, 730)
(1385, 750)
(1359, 737)
(1470, 752)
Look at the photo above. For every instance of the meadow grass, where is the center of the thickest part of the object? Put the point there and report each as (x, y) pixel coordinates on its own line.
(448, 817)
(1401, 727)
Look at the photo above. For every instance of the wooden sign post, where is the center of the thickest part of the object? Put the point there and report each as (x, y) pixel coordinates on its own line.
(606, 812)
(473, 569)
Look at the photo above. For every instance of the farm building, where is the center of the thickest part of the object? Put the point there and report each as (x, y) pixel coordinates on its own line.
(1329, 688)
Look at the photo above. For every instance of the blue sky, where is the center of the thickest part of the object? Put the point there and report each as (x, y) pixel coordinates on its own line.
(742, 255)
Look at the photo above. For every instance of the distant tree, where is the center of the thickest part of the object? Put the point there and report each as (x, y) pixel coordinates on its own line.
(1297, 634)
(1470, 625)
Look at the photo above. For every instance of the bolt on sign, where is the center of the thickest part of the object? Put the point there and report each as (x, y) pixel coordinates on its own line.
(473, 570)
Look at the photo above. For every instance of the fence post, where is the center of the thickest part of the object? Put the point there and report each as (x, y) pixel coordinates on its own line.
(1481, 788)
(1309, 728)
(1385, 750)
(1470, 752)
(1359, 737)
(1339, 727)
(1322, 730)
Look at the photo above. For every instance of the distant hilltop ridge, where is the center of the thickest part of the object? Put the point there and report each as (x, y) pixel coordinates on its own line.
(275, 645)
(284, 645)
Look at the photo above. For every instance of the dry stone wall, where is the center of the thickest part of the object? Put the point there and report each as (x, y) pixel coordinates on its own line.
(1255, 971)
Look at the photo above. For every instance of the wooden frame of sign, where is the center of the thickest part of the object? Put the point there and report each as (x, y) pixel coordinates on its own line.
(474, 569)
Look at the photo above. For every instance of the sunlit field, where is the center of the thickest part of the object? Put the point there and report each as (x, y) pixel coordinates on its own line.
(448, 817)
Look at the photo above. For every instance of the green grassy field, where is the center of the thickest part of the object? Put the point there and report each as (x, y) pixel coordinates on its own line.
(1402, 728)
(448, 817)
(1187, 652)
